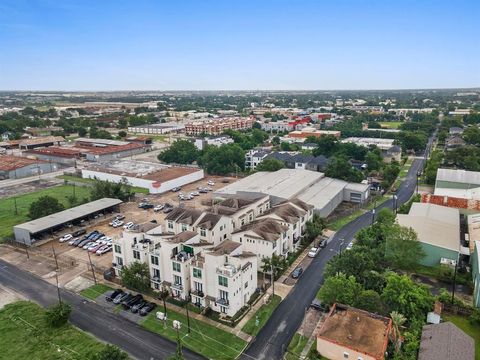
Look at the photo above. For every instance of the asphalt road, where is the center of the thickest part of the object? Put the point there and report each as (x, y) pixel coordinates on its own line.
(90, 317)
(273, 339)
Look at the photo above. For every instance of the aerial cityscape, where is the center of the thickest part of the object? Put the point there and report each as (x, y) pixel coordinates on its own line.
(239, 180)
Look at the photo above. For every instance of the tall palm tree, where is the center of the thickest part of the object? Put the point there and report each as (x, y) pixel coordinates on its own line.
(397, 321)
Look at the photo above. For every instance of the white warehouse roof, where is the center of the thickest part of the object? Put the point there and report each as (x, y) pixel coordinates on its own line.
(458, 176)
(435, 225)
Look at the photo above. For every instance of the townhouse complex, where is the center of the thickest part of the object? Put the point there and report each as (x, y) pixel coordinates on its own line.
(212, 257)
(218, 126)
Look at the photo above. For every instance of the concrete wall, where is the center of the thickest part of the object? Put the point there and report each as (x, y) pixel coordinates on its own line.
(334, 351)
(22, 236)
(454, 185)
(56, 159)
(145, 183)
(433, 254)
(113, 156)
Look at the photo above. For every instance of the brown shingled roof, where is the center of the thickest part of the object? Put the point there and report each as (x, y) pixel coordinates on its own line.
(184, 216)
(225, 248)
(267, 229)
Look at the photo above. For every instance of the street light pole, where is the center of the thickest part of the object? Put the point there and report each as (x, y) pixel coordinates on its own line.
(395, 203)
(373, 216)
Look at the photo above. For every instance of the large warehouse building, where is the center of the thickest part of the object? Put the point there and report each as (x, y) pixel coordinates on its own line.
(312, 187)
(29, 232)
(157, 178)
(16, 167)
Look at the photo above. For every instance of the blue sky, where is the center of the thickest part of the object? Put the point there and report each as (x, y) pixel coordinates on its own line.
(230, 44)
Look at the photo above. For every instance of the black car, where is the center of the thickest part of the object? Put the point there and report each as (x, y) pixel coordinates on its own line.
(122, 297)
(323, 243)
(83, 242)
(148, 206)
(127, 304)
(113, 294)
(317, 304)
(79, 232)
(147, 308)
(297, 273)
(78, 241)
(176, 189)
(135, 308)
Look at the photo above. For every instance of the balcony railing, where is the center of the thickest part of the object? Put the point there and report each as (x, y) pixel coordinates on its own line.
(177, 286)
(223, 302)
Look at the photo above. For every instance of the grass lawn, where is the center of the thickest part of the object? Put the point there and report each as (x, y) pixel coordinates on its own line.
(25, 335)
(263, 315)
(341, 222)
(76, 179)
(472, 330)
(207, 340)
(391, 124)
(296, 347)
(95, 291)
(7, 206)
(404, 170)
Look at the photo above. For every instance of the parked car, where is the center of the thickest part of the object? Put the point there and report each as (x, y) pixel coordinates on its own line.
(135, 308)
(297, 273)
(104, 249)
(87, 245)
(176, 189)
(76, 242)
(82, 243)
(210, 183)
(65, 237)
(120, 217)
(122, 297)
(313, 252)
(79, 232)
(113, 294)
(323, 243)
(349, 246)
(166, 210)
(143, 204)
(148, 206)
(118, 223)
(158, 207)
(71, 242)
(202, 191)
(128, 225)
(127, 304)
(195, 193)
(147, 308)
(93, 245)
(317, 304)
(95, 248)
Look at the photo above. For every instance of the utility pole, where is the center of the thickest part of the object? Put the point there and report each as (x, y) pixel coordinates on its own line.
(58, 289)
(55, 257)
(273, 283)
(455, 279)
(15, 204)
(26, 249)
(91, 266)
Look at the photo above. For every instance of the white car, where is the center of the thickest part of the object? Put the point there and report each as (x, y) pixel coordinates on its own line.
(349, 246)
(313, 252)
(128, 225)
(72, 241)
(118, 223)
(104, 249)
(158, 208)
(195, 193)
(65, 237)
(210, 183)
(87, 245)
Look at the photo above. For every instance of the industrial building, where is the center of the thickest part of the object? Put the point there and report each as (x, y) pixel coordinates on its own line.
(438, 230)
(30, 232)
(312, 187)
(104, 150)
(16, 167)
(57, 154)
(157, 129)
(32, 143)
(157, 178)
(456, 181)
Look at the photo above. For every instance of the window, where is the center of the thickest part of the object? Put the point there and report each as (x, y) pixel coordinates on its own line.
(156, 273)
(223, 309)
(246, 284)
(118, 249)
(197, 273)
(177, 280)
(223, 295)
(176, 266)
(184, 227)
(250, 217)
(222, 280)
(136, 254)
(119, 261)
(203, 232)
(198, 286)
(170, 225)
(154, 260)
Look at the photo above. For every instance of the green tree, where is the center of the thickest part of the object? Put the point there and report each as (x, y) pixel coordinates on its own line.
(472, 135)
(82, 132)
(110, 352)
(401, 294)
(275, 140)
(136, 276)
(374, 160)
(314, 227)
(402, 248)
(270, 164)
(44, 206)
(340, 168)
(58, 315)
(398, 320)
(369, 300)
(223, 160)
(180, 152)
(390, 173)
(355, 262)
(341, 289)
(122, 133)
(106, 189)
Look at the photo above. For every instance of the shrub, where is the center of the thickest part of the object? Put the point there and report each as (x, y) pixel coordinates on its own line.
(58, 315)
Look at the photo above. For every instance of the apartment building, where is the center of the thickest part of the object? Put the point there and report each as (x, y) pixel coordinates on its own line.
(264, 238)
(224, 278)
(241, 210)
(213, 141)
(218, 126)
(294, 214)
(254, 157)
(211, 227)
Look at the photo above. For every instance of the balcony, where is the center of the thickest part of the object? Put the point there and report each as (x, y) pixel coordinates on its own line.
(182, 256)
(177, 286)
(156, 280)
(227, 270)
(223, 302)
(198, 293)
